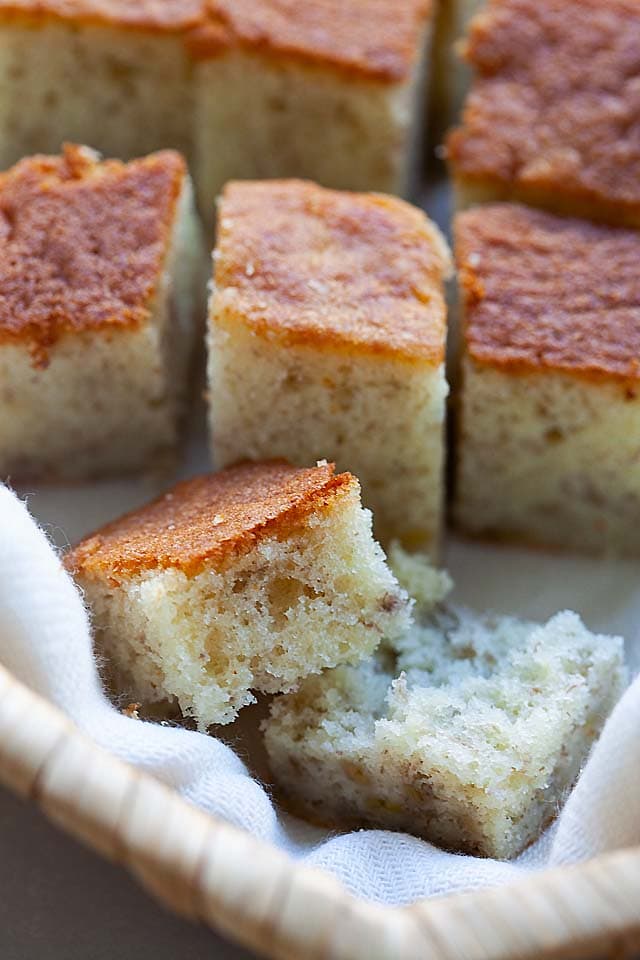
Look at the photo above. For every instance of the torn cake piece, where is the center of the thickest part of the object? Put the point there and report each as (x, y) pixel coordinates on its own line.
(327, 338)
(467, 731)
(249, 579)
(548, 432)
(100, 282)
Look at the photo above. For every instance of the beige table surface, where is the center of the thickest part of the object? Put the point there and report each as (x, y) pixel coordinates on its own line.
(58, 901)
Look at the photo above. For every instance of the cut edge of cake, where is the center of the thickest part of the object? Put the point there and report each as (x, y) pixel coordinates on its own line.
(468, 731)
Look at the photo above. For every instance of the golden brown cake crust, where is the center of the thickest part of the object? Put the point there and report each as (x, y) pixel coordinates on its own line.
(361, 272)
(546, 293)
(175, 15)
(209, 520)
(556, 103)
(372, 38)
(82, 243)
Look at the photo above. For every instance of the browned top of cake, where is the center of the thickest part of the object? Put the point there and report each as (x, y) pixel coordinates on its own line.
(209, 520)
(557, 100)
(153, 14)
(82, 243)
(360, 272)
(370, 37)
(543, 292)
(374, 38)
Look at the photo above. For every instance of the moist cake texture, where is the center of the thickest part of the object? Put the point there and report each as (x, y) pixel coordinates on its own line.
(467, 731)
(249, 579)
(97, 274)
(327, 309)
(353, 70)
(549, 415)
(554, 113)
(335, 91)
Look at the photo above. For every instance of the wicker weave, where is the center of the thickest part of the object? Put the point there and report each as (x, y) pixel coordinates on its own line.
(203, 868)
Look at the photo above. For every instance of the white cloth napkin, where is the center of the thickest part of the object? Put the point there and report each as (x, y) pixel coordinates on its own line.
(45, 642)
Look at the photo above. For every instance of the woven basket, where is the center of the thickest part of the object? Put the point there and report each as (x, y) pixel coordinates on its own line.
(207, 870)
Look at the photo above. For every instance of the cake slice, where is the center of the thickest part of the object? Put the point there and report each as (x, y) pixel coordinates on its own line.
(553, 115)
(99, 270)
(248, 579)
(327, 333)
(330, 90)
(467, 731)
(548, 445)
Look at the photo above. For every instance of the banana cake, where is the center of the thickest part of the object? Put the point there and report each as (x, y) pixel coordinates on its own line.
(553, 117)
(548, 445)
(327, 334)
(331, 89)
(98, 263)
(248, 579)
(468, 730)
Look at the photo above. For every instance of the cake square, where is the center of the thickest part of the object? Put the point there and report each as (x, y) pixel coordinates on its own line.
(329, 90)
(466, 731)
(98, 269)
(549, 428)
(553, 115)
(248, 579)
(327, 335)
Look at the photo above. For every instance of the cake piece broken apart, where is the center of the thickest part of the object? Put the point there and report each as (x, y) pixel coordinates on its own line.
(327, 339)
(549, 413)
(100, 264)
(249, 579)
(553, 115)
(467, 731)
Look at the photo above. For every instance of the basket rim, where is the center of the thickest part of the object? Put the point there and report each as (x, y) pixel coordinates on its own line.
(208, 870)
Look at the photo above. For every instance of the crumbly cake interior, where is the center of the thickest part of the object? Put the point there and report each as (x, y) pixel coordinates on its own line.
(291, 606)
(467, 730)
